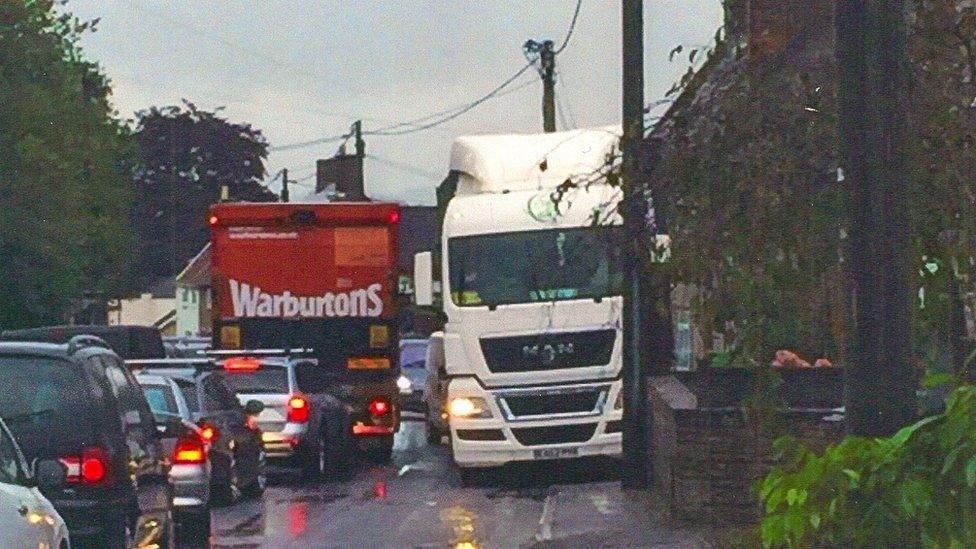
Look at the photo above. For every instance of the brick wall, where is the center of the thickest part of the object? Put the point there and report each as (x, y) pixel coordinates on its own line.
(707, 460)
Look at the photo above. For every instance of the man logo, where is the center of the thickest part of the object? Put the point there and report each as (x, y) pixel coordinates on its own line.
(549, 352)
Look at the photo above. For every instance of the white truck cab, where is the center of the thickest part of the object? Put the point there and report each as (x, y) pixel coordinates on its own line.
(531, 292)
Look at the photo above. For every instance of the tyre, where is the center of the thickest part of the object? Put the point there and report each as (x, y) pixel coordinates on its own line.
(433, 435)
(195, 529)
(382, 453)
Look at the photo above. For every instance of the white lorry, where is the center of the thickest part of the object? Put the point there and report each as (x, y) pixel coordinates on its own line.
(532, 296)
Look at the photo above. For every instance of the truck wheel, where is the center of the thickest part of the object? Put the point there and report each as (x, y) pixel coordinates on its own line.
(382, 453)
(434, 435)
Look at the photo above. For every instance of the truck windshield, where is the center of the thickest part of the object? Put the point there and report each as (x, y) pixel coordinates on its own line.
(527, 267)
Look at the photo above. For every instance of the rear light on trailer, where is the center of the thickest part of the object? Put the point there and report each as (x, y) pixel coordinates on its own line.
(379, 407)
(297, 409)
(91, 468)
(189, 451)
(242, 364)
(368, 364)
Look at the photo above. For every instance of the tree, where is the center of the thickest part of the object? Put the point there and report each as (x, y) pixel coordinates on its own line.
(187, 155)
(64, 186)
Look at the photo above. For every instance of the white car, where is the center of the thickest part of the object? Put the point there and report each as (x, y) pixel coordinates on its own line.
(27, 518)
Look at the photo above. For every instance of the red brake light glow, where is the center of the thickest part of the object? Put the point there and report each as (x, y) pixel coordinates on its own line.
(242, 364)
(394, 217)
(189, 451)
(213, 220)
(379, 407)
(90, 468)
(297, 409)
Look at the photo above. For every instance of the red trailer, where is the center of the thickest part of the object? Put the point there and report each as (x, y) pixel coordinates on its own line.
(315, 276)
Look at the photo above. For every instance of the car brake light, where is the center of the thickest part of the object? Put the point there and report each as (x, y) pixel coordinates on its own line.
(394, 217)
(242, 364)
(297, 409)
(90, 468)
(189, 451)
(208, 433)
(379, 407)
(213, 219)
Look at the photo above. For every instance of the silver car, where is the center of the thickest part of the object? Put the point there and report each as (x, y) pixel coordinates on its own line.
(189, 456)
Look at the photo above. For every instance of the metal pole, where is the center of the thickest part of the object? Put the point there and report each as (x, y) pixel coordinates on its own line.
(635, 431)
(872, 95)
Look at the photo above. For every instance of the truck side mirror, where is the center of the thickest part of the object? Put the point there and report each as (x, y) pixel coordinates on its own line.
(423, 279)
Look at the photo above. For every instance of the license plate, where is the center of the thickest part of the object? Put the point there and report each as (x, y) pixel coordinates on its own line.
(555, 453)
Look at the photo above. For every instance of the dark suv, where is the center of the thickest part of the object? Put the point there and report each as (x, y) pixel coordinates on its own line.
(78, 404)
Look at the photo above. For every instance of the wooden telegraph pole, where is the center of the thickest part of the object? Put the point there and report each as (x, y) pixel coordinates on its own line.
(872, 93)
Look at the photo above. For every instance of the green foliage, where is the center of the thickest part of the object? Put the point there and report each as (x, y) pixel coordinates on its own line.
(186, 155)
(915, 489)
(64, 187)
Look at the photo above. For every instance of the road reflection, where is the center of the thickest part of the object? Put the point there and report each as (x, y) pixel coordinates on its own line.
(462, 522)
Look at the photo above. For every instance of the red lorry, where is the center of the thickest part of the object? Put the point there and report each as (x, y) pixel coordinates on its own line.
(320, 277)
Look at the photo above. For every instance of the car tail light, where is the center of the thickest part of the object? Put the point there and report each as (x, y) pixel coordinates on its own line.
(394, 217)
(91, 468)
(379, 407)
(208, 433)
(189, 451)
(297, 409)
(242, 364)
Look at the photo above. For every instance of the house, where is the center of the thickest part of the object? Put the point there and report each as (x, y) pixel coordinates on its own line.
(193, 301)
(155, 308)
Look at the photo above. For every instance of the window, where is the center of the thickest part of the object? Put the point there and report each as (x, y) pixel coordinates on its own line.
(267, 380)
(189, 390)
(533, 266)
(10, 472)
(131, 402)
(216, 395)
(160, 399)
(313, 378)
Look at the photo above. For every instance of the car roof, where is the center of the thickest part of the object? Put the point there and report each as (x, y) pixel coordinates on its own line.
(53, 350)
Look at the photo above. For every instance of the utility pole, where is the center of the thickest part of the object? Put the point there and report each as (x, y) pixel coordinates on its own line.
(635, 419)
(547, 70)
(872, 95)
(284, 184)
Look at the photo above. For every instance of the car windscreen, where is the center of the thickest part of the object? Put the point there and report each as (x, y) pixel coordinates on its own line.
(266, 380)
(534, 266)
(47, 404)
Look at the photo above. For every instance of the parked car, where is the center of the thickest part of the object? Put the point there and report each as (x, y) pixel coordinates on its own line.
(237, 457)
(129, 342)
(435, 389)
(413, 374)
(77, 403)
(27, 518)
(190, 454)
(302, 421)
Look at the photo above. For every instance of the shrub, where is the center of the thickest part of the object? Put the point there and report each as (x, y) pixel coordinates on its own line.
(914, 489)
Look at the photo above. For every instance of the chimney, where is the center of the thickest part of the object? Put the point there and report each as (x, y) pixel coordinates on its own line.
(772, 24)
(345, 172)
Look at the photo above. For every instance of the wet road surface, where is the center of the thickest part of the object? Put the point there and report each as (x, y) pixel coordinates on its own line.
(417, 501)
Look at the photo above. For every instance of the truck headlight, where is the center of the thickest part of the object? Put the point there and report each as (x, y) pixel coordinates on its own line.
(469, 407)
(404, 384)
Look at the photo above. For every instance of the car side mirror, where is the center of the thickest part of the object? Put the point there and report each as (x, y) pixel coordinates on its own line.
(253, 407)
(423, 279)
(49, 474)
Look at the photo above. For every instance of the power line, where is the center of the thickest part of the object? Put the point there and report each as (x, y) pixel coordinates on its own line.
(572, 27)
(404, 167)
(311, 143)
(458, 113)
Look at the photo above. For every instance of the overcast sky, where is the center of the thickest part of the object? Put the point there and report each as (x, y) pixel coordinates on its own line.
(304, 69)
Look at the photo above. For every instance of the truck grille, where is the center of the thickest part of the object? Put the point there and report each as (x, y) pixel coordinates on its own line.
(546, 404)
(538, 436)
(548, 351)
